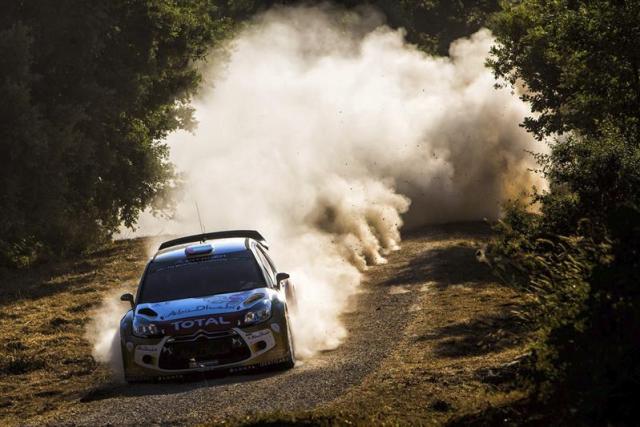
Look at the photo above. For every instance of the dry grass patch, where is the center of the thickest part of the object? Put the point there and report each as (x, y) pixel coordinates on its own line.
(45, 360)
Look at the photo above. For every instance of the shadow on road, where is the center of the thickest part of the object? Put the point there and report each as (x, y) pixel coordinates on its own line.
(481, 335)
(448, 265)
(453, 265)
(172, 386)
(75, 275)
(451, 260)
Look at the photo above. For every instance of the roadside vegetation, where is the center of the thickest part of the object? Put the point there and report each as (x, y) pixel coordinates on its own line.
(90, 90)
(577, 259)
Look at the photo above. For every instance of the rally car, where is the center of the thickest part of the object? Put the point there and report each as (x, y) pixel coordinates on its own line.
(212, 301)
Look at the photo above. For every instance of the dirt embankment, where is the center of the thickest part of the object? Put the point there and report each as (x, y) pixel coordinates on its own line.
(431, 338)
(45, 360)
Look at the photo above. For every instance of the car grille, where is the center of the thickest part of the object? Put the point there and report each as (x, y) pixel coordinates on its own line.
(203, 349)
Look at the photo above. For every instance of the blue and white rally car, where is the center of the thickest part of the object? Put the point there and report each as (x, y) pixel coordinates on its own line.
(212, 301)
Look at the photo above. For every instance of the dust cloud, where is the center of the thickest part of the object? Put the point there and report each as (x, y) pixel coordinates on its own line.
(326, 131)
(103, 331)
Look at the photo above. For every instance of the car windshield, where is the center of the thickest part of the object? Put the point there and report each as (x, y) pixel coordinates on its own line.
(199, 277)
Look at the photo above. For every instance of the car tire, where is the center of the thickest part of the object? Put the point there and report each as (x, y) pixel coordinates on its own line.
(133, 380)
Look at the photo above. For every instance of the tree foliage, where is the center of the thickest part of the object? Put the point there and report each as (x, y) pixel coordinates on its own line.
(434, 24)
(89, 90)
(431, 24)
(579, 60)
(578, 258)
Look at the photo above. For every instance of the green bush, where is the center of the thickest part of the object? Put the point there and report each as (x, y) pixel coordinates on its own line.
(583, 286)
(578, 257)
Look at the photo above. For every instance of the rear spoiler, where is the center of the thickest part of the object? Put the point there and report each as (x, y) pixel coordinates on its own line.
(250, 234)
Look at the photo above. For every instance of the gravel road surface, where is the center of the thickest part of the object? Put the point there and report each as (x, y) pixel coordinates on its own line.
(381, 312)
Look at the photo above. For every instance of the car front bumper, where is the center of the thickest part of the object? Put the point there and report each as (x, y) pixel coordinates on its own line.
(234, 350)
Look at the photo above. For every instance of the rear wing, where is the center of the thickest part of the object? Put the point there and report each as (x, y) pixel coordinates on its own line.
(251, 234)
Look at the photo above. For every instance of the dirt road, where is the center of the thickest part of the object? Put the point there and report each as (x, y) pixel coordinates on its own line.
(426, 332)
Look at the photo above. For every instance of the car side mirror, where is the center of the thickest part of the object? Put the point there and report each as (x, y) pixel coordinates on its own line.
(127, 297)
(280, 277)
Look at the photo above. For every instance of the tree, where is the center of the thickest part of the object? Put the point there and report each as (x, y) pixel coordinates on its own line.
(90, 90)
(431, 24)
(579, 60)
(578, 258)
(434, 24)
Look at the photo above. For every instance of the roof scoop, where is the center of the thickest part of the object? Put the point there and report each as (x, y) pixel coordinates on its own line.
(198, 250)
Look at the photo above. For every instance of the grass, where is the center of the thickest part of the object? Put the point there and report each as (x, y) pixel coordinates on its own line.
(45, 359)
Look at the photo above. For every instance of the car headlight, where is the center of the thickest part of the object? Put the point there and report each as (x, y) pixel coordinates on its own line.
(144, 328)
(258, 313)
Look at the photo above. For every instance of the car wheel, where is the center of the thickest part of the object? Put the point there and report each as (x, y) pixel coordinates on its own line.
(136, 380)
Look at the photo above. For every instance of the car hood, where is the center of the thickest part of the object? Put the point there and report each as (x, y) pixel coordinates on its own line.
(213, 312)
